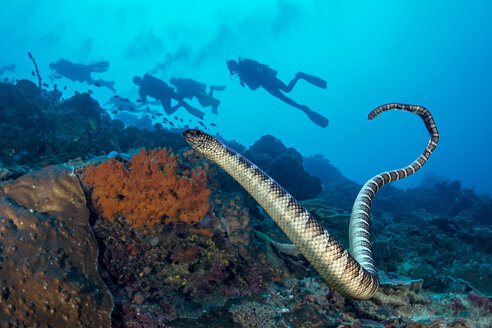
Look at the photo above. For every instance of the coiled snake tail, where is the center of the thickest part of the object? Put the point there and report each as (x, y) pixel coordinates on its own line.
(340, 270)
(359, 231)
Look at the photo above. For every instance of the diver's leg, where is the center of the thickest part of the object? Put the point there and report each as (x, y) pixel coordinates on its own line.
(102, 83)
(206, 100)
(313, 116)
(290, 86)
(166, 105)
(277, 93)
(192, 110)
(278, 84)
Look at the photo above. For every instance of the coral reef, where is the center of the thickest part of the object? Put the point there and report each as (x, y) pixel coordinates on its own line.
(229, 266)
(149, 189)
(284, 165)
(36, 131)
(48, 254)
(233, 218)
(168, 273)
(253, 314)
(434, 253)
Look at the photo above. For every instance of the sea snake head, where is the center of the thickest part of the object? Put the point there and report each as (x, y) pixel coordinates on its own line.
(203, 143)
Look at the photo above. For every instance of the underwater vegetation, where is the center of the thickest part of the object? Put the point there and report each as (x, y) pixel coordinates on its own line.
(154, 238)
(148, 189)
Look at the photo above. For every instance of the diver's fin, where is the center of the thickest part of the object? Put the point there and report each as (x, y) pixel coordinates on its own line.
(316, 118)
(206, 100)
(314, 80)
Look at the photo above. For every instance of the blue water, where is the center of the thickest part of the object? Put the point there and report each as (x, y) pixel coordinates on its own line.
(432, 53)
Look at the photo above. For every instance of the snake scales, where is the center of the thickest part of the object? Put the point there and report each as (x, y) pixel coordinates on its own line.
(352, 275)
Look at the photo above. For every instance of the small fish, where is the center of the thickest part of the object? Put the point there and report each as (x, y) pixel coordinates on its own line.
(153, 117)
(171, 123)
(159, 114)
(97, 84)
(65, 88)
(132, 108)
(181, 119)
(114, 111)
(186, 126)
(45, 85)
(175, 117)
(201, 123)
(139, 100)
(213, 124)
(89, 91)
(147, 115)
(32, 72)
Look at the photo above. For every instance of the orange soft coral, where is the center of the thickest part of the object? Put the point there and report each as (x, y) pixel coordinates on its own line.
(149, 189)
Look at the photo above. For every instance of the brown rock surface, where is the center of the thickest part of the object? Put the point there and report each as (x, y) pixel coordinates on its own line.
(48, 254)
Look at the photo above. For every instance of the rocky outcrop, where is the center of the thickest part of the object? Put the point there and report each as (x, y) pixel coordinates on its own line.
(48, 254)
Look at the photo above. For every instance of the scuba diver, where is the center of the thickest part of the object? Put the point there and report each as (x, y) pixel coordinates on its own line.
(160, 90)
(5, 68)
(82, 73)
(189, 88)
(256, 75)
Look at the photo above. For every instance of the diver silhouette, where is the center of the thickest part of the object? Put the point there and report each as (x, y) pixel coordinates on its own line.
(160, 90)
(255, 75)
(189, 88)
(6, 68)
(82, 73)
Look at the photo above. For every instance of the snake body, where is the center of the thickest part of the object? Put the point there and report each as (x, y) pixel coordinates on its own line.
(352, 275)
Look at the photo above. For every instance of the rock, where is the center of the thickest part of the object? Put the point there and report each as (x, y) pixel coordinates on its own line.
(138, 298)
(154, 241)
(234, 219)
(48, 254)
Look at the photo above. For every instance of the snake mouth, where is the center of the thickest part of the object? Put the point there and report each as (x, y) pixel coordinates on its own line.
(193, 136)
